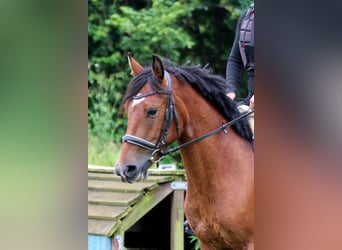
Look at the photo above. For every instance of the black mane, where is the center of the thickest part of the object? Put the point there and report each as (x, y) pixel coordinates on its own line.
(210, 86)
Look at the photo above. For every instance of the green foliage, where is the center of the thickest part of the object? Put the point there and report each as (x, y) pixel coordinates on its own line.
(153, 30)
(194, 239)
(102, 153)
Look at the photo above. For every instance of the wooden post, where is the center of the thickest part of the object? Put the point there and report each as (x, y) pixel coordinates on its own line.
(177, 220)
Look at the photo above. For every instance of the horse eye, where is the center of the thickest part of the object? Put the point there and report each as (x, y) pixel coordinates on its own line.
(151, 112)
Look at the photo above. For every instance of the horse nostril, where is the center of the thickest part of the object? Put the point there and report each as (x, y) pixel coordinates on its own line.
(130, 170)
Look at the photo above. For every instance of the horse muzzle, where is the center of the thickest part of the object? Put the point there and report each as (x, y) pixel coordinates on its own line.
(132, 172)
(128, 173)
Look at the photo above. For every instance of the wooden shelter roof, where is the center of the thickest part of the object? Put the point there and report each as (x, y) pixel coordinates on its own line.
(116, 206)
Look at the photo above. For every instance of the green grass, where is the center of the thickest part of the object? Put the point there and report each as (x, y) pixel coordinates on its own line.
(102, 153)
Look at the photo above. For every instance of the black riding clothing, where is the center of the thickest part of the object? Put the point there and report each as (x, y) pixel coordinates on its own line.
(241, 57)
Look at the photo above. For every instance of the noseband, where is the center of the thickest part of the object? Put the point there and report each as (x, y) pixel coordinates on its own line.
(170, 114)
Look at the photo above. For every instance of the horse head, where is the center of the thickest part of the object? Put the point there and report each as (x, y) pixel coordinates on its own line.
(150, 110)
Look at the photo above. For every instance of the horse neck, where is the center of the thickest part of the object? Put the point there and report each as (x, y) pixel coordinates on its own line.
(196, 115)
(216, 157)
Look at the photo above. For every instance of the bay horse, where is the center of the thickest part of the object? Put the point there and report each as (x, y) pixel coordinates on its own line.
(167, 103)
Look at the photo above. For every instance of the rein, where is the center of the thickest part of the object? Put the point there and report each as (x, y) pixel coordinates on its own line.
(171, 113)
(213, 132)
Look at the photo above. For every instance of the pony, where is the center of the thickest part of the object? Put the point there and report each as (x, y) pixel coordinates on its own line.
(167, 103)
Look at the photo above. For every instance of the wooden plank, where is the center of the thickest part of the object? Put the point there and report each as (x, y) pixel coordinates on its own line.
(177, 220)
(113, 198)
(106, 212)
(149, 201)
(103, 176)
(112, 177)
(100, 169)
(154, 171)
(97, 242)
(101, 227)
(121, 187)
(160, 179)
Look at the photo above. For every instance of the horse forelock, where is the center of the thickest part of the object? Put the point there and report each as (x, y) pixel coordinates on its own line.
(134, 87)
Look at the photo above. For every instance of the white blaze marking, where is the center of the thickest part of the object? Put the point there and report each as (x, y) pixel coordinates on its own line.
(137, 101)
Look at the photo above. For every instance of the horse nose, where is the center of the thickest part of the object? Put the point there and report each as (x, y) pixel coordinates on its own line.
(117, 171)
(130, 171)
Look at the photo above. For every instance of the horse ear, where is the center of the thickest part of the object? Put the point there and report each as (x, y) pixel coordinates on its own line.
(157, 68)
(135, 67)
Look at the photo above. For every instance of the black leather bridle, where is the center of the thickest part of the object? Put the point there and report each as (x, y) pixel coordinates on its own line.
(170, 114)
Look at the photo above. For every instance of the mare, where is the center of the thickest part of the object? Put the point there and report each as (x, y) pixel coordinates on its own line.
(167, 103)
